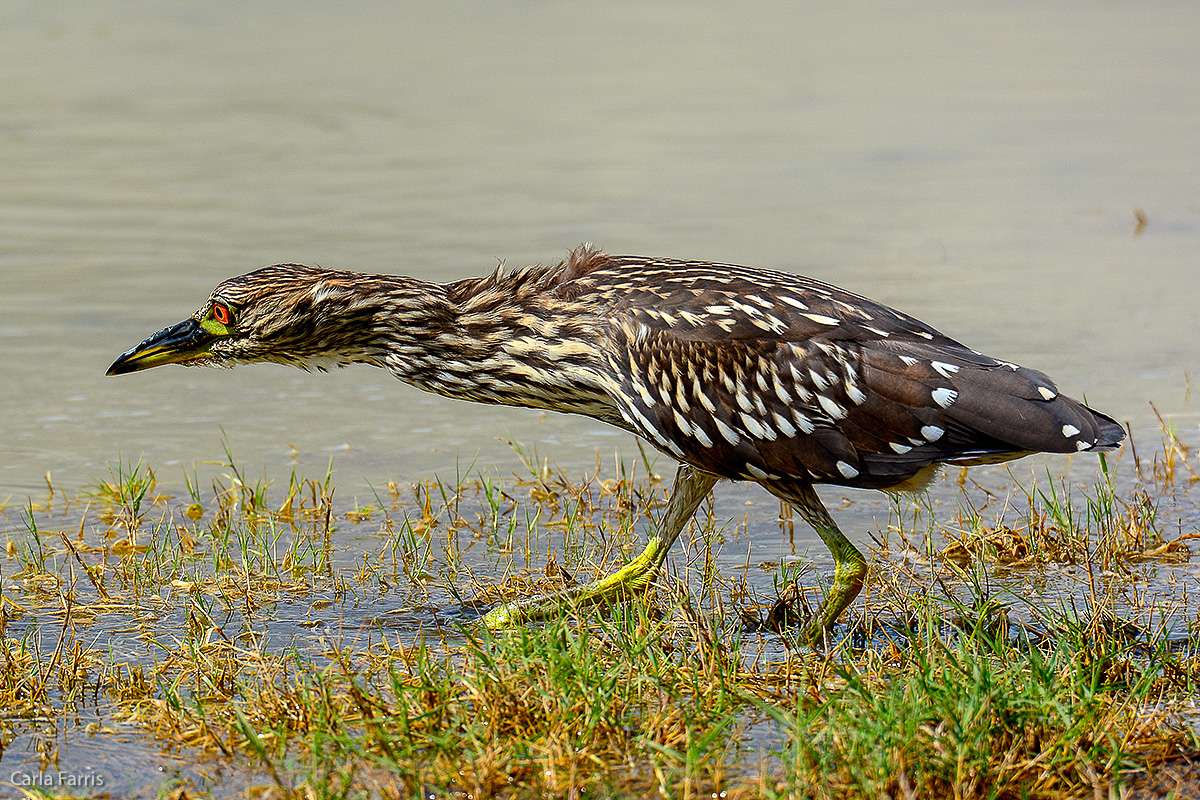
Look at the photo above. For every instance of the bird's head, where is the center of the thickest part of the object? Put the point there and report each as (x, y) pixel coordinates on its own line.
(290, 314)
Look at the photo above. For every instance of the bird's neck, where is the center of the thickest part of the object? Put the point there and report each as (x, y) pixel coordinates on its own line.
(489, 340)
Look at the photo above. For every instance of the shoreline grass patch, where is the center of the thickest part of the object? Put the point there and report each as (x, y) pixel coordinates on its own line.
(1031, 642)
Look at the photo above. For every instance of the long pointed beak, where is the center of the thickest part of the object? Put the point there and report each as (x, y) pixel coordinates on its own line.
(184, 342)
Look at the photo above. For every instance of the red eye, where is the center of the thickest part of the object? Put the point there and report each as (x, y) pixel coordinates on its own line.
(220, 313)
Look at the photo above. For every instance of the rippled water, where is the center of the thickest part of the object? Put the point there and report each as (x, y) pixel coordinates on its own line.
(979, 170)
(980, 167)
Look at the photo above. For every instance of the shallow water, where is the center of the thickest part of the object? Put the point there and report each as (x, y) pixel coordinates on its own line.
(169, 603)
(978, 167)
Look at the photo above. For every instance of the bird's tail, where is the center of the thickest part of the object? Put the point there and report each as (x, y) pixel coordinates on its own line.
(1109, 433)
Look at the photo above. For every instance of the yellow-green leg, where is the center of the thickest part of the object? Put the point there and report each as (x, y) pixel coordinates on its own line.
(850, 568)
(691, 487)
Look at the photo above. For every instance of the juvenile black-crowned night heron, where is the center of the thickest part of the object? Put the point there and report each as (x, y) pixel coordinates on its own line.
(738, 373)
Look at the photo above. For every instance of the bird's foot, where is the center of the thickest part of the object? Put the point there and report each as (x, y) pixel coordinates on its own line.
(691, 487)
(633, 578)
(848, 579)
(791, 612)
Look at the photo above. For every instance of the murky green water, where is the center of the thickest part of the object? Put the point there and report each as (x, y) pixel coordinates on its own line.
(979, 167)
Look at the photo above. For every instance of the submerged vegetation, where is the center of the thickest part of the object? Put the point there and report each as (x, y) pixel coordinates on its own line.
(1034, 641)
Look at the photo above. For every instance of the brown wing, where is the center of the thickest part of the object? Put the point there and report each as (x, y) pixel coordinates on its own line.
(758, 375)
